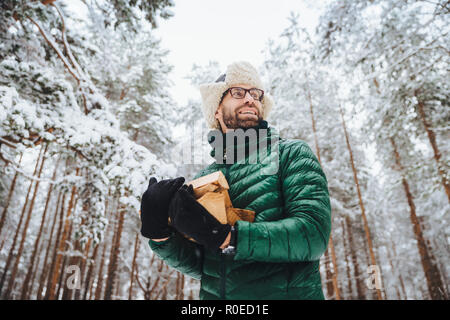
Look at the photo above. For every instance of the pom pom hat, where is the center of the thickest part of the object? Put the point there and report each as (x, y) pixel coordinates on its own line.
(237, 73)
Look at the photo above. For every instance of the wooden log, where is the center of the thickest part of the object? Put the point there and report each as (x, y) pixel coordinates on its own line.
(211, 191)
(201, 191)
(216, 178)
(236, 214)
(215, 204)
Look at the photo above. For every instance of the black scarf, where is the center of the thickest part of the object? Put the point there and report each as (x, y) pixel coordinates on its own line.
(236, 145)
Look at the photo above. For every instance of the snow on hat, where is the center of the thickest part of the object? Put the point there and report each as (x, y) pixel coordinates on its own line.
(237, 73)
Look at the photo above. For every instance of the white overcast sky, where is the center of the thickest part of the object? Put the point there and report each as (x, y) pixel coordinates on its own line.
(224, 31)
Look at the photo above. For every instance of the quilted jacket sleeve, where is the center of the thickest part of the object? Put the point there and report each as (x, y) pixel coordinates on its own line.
(303, 235)
(180, 254)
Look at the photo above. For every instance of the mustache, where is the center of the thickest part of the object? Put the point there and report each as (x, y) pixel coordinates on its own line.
(253, 106)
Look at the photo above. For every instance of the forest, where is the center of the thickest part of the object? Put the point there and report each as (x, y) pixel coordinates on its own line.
(87, 117)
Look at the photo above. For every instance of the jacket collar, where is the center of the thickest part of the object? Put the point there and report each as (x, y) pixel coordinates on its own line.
(232, 144)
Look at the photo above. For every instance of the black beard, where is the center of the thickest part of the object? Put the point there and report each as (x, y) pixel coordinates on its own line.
(232, 122)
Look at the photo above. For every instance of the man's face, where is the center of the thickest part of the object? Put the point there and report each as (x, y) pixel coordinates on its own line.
(240, 113)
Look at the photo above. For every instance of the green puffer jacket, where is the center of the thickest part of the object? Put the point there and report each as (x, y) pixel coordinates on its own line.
(277, 255)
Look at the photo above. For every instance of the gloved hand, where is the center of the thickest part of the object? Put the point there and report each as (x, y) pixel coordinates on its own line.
(155, 206)
(192, 219)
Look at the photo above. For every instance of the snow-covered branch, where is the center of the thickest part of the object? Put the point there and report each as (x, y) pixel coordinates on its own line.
(52, 43)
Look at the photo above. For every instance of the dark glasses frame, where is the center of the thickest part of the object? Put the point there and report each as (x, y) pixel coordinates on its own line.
(245, 93)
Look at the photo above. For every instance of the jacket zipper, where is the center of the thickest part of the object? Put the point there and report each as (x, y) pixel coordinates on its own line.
(223, 266)
(223, 276)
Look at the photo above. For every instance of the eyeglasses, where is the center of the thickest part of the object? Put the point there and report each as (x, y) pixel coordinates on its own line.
(239, 93)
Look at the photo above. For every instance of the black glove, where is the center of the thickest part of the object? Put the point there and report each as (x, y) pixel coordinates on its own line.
(192, 219)
(155, 206)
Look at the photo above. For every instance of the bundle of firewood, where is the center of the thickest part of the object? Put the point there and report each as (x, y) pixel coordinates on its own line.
(211, 191)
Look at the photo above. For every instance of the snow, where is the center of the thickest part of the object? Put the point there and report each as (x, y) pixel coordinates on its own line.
(126, 139)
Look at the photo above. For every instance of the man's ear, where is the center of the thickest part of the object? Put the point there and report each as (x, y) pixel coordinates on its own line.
(218, 115)
(219, 118)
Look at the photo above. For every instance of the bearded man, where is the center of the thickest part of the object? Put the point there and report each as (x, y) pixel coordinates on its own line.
(277, 255)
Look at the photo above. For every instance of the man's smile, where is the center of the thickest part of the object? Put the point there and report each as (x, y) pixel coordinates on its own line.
(248, 113)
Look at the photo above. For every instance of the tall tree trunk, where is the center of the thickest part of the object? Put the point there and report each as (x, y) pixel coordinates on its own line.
(180, 294)
(435, 286)
(133, 265)
(12, 279)
(359, 284)
(82, 269)
(179, 290)
(361, 204)
(55, 248)
(328, 274)
(113, 261)
(177, 285)
(346, 254)
(99, 284)
(60, 280)
(400, 278)
(89, 276)
(45, 271)
(8, 199)
(19, 225)
(155, 283)
(332, 290)
(26, 282)
(116, 285)
(33, 276)
(191, 292)
(432, 139)
(335, 272)
(44, 247)
(62, 244)
(112, 248)
(424, 226)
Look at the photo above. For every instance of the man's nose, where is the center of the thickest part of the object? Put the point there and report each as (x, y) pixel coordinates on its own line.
(248, 97)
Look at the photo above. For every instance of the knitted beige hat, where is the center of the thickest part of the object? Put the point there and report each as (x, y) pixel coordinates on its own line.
(237, 73)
